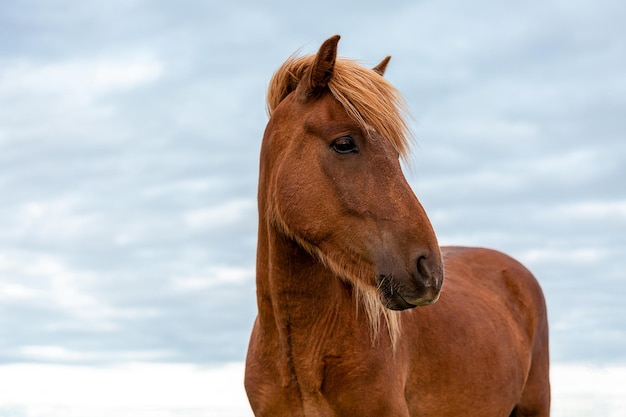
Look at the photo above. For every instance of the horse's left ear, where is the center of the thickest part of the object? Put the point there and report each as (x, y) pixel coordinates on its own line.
(380, 68)
(317, 76)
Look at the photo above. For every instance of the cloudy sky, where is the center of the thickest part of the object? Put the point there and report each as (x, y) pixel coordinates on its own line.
(129, 139)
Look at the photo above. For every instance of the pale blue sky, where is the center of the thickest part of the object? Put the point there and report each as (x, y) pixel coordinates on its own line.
(129, 138)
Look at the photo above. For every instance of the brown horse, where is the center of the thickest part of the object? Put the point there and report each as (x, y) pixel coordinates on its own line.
(345, 253)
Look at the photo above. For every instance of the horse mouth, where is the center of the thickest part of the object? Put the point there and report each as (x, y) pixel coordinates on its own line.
(394, 298)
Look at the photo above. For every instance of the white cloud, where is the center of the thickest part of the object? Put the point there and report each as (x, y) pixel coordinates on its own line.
(168, 390)
(566, 255)
(79, 78)
(52, 353)
(228, 212)
(584, 390)
(615, 211)
(61, 100)
(214, 277)
(58, 219)
(47, 282)
(123, 390)
(129, 146)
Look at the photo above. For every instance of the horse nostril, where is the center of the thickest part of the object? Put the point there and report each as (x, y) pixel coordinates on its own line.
(430, 271)
(422, 267)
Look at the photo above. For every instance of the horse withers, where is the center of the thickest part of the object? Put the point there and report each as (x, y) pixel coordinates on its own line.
(352, 318)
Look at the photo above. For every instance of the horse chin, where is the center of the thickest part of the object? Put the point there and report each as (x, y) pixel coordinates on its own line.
(396, 303)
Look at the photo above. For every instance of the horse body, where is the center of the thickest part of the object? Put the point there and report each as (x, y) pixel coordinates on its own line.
(345, 253)
(481, 350)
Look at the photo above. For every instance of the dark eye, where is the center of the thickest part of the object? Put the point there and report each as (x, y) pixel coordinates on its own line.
(344, 145)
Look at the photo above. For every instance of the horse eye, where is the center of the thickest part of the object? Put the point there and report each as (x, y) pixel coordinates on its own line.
(345, 145)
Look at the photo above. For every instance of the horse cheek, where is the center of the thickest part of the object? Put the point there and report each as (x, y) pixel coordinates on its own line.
(303, 205)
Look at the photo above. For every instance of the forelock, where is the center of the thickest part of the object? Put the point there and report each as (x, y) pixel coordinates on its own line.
(366, 95)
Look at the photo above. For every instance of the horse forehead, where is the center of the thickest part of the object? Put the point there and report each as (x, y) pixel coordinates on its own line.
(322, 109)
(326, 108)
(324, 113)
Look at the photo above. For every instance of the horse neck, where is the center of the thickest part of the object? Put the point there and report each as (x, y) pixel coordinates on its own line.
(307, 318)
(301, 302)
(294, 282)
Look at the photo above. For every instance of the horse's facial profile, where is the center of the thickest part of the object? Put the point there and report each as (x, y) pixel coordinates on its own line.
(335, 185)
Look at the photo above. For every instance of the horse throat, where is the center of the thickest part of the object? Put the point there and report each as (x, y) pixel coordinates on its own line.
(305, 295)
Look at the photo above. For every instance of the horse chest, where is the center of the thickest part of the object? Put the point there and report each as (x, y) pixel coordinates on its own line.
(308, 381)
(285, 387)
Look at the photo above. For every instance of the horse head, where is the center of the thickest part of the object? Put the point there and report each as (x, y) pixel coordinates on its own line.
(331, 178)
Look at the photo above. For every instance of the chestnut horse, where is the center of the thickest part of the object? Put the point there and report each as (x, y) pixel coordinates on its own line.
(346, 251)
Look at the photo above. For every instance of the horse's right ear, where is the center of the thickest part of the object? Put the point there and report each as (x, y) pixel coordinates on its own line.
(317, 76)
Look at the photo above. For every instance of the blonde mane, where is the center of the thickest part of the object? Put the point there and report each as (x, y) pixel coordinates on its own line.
(366, 95)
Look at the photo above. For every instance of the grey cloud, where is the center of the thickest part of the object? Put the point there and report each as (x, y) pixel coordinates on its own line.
(129, 139)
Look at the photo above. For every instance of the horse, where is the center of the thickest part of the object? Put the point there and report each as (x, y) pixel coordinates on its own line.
(353, 317)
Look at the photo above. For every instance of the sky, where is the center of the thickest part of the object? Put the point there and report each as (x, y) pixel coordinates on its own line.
(129, 142)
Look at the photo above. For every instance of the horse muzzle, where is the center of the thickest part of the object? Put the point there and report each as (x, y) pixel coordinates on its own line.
(402, 291)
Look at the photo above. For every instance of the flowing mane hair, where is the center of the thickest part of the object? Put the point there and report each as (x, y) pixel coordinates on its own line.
(364, 93)
(376, 105)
